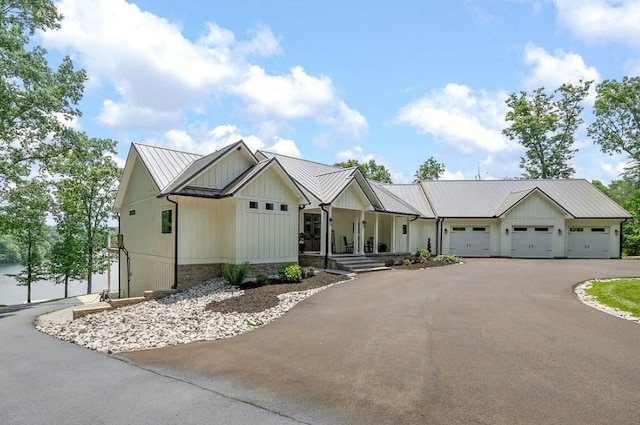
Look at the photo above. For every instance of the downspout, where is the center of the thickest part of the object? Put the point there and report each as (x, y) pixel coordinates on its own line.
(620, 241)
(326, 237)
(175, 248)
(439, 236)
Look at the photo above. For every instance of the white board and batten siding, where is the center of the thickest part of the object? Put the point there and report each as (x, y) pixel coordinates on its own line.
(150, 251)
(224, 171)
(352, 198)
(266, 228)
(530, 229)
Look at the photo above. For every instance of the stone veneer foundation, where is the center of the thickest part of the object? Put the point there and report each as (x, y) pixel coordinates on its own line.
(194, 274)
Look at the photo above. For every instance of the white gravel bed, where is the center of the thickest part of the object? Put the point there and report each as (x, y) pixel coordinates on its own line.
(590, 300)
(177, 319)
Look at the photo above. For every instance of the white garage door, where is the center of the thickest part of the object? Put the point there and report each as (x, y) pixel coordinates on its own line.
(532, 242)
(470, 241)
(588, 242)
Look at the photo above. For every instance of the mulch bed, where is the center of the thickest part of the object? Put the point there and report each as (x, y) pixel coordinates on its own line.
(256, 299)
(427, 265)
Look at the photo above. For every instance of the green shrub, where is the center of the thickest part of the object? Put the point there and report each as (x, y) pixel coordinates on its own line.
(290, 273)
(446, 258)
(235, 274)
(423, 255)
(406, 262)
(261, 280)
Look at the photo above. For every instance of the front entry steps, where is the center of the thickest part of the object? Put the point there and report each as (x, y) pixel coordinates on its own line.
(359, 264)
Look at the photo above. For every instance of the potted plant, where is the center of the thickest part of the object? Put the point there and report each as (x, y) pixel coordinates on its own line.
(301, 243)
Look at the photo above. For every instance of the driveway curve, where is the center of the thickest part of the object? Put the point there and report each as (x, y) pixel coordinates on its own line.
(492, 341)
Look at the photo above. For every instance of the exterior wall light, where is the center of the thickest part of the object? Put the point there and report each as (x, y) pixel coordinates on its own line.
(616, 232)
(506, 231)
(559, 231)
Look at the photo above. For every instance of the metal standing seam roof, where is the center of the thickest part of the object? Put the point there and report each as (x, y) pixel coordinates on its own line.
(485, 198)
(304, 172)
(163, 164)
(413, 195)
(391, 202)
(332, 184)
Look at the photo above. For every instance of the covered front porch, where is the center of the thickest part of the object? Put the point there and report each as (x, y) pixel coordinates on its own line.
(342, 231)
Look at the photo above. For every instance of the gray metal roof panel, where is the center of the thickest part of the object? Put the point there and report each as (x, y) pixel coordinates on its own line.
(483, 198)
(244, 178)
(305, 173)
(413, 195)
(391, 202)
(163, 164)
(332, 184)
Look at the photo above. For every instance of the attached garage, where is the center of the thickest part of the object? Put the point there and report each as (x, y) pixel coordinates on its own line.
(532, 242)
(588, 242)
(470, 241)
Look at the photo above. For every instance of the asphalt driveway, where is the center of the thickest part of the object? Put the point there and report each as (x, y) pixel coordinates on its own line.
(493, 341)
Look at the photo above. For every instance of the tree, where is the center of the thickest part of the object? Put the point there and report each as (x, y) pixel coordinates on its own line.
(545, 124)
(67, 257)
(85, 194)
(625, 193)
(33, 97)
(371, 170)
(23, 217)
(616, 127)
(429, 170)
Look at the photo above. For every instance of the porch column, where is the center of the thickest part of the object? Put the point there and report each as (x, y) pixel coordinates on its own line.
(375, 235)
(361, 235)
(408, 242)
(393, 234)
(325, 231)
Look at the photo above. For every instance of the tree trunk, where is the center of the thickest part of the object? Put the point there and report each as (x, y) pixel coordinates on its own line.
(29, 272)
(66, 286)
(90, 271)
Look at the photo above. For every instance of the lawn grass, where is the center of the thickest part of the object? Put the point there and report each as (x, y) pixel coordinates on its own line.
(623, 294)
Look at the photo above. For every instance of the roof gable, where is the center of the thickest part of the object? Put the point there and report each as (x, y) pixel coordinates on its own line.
(205, 163)
(517, 198)
(163, 164)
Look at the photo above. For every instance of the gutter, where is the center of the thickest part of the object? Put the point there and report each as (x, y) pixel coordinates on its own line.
(175, 248)
(439, 235)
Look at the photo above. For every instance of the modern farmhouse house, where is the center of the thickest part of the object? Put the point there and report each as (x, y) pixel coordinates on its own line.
(183, 216)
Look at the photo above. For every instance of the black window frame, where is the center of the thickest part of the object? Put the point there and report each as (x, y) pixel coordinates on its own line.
(166, 222)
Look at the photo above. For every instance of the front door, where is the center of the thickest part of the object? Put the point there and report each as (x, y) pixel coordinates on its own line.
(312, 230)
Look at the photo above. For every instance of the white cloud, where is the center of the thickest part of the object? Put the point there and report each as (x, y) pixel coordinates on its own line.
(285, 147)
(553, 70)
(204, 141)
(354, 152)
(602, 20)
(157, 75)
(467, 120)
(452, 175)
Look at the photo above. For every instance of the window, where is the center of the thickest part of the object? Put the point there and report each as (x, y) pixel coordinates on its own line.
(268, 206)
(479, 229)
(404, 229)
(542, 229)
(458, 229)
(576, 229)
(132, 212)
(598, 229)
(519, 229)
(284, 207)
(167, 218)
(253, 205)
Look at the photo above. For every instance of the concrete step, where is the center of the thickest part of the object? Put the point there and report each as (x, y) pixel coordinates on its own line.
(359, 264)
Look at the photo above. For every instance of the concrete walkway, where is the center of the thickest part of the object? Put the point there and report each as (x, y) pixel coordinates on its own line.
(493, 341)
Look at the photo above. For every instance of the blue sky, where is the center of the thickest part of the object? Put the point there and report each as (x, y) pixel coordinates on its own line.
(327, 81)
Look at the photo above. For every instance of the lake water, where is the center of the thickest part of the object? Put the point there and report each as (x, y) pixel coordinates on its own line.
(10, 293)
